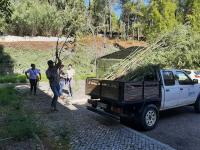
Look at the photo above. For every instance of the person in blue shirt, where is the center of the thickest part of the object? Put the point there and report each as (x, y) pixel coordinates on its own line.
(34, 76)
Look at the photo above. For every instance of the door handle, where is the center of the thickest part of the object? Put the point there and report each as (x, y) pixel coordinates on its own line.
(181, 89)
(167, 90)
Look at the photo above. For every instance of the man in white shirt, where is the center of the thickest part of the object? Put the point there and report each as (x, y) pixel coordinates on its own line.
(70, 76)
(34, 76)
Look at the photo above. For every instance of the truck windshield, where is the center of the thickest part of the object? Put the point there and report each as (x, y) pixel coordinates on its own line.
(187, 71)
(197, 72)
(183, 79)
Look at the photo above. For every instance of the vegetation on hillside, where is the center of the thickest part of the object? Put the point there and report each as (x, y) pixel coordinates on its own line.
(56, 17)
(180, 48)
(82, 58)
(178, 19)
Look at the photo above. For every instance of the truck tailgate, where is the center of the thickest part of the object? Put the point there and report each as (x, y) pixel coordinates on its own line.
(93, 87)
(111, 90)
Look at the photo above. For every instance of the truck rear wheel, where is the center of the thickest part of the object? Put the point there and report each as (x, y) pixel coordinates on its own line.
(149, 117)
(197, 106)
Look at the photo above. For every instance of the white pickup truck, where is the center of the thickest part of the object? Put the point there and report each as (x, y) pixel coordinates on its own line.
(142, 100)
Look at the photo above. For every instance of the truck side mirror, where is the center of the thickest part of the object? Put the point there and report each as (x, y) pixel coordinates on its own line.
(195, 81)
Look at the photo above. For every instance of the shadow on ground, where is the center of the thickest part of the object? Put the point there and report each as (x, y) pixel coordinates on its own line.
(6, 62)
(58, 124)
(179, 128)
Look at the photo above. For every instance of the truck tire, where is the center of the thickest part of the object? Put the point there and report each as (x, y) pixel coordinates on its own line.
(149, 117)
(197, 106)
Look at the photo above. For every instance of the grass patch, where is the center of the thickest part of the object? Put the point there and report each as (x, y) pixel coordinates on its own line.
(15, 122)
(21, 126)
(82, 59)
(8, 96)
(15, 78)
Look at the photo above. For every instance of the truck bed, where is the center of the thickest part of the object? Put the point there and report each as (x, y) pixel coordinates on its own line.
(126, 92)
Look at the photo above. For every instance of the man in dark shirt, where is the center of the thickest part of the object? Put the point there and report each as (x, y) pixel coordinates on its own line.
(52, 74)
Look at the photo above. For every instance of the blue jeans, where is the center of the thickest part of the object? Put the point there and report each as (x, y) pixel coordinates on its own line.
(56, 91)
(62, 85)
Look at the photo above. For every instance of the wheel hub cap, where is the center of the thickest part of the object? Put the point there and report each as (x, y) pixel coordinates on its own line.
(150, 118)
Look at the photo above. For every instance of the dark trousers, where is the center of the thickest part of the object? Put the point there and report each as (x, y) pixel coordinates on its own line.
(33, 84)
(69, 83)
(56, 91)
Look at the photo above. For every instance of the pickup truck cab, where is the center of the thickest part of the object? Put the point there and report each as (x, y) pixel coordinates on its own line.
(142, 100)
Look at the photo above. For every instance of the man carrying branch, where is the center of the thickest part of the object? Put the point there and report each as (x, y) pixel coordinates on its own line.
(52, 74)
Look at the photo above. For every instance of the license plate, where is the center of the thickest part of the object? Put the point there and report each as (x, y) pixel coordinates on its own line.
(102, 105)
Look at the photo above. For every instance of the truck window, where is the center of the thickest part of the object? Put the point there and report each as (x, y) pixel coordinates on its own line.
(168, 77)
(182, 78)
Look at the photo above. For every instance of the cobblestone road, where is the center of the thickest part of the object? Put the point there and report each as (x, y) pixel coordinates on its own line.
(94, 132)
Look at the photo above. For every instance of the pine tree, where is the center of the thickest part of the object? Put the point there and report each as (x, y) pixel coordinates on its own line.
(193, 15)
(161, 16)
(132, 16)
(5, 14)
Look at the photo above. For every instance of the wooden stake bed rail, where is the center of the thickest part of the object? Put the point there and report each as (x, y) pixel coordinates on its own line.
(123, 91)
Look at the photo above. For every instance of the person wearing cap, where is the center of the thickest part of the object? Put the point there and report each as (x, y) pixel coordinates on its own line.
(53, 76)
(34, 75)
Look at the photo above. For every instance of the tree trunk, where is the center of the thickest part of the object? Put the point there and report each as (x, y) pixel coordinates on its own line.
(138, 29)
(110, 7)
(104, 31)
(128, 28)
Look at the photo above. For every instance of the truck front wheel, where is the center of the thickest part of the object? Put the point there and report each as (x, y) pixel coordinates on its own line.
(197, 106)
(149, 117)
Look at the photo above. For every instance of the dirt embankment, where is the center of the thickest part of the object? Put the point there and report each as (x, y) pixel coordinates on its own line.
(89, 41)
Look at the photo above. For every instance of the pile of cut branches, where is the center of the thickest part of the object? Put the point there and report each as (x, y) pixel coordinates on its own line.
(178, 48)
(133, 61)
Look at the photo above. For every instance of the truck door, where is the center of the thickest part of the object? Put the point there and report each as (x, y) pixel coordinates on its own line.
(171, 93)
(187, 88)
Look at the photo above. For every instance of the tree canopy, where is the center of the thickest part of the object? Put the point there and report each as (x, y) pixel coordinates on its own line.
(138, 19)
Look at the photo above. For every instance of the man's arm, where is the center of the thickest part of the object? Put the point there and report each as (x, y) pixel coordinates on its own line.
(26, 73)
(47, 75)
(40, 75)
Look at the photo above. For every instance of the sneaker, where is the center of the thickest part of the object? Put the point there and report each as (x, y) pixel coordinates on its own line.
(56, 109)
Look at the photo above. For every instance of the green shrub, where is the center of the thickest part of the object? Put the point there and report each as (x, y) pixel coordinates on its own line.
(179, 49)
(16, 78)
(8, 96)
